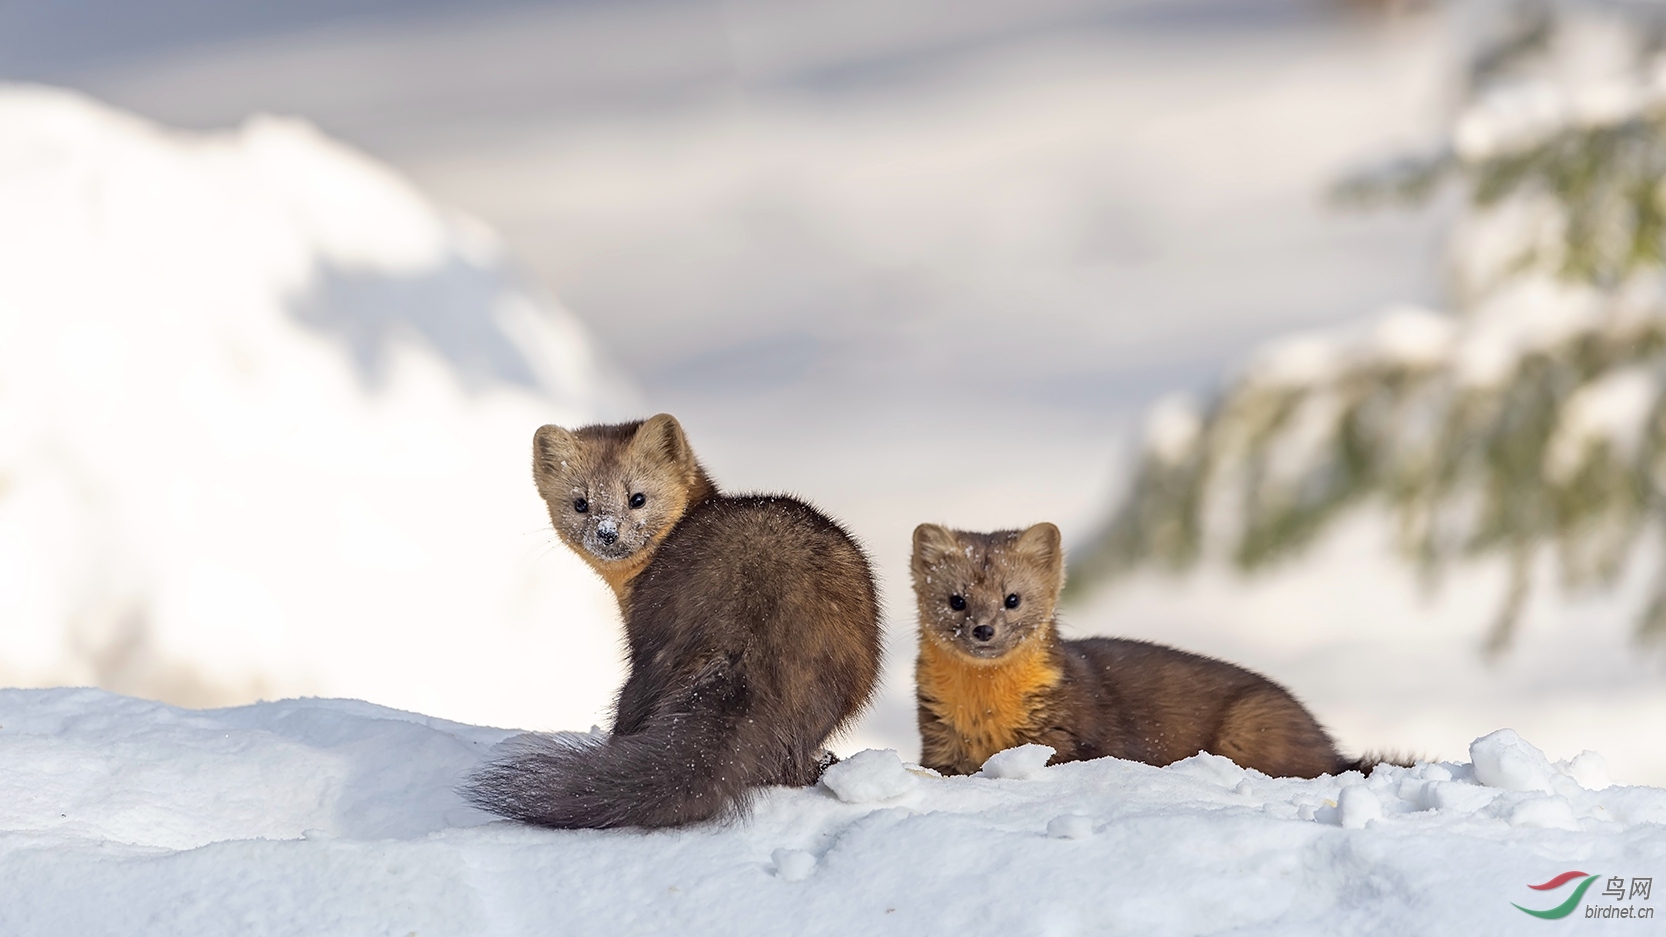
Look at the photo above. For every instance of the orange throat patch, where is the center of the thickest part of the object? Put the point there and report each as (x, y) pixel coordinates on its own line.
(990, 705)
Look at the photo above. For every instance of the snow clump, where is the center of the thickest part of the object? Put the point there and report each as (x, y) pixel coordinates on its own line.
(793, 865)
(1611, 411)
(1413, 337)
(1023, 762)
(869, 776)
(1589, 770)
(1173, 428)
(1508, 762)
(1357, 806)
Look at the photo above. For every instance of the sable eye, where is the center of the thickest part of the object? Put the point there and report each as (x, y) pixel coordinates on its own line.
(580, 505)
(957, 602)
(638, 500)
(1012, 600)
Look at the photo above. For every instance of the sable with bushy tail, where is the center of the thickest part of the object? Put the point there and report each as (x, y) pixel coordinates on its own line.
(753, 629)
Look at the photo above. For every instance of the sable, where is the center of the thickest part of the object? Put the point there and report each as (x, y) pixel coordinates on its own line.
(993, 673)
(753, 631)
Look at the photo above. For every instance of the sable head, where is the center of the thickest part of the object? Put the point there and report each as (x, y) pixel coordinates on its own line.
(615, 490)
(985, 594)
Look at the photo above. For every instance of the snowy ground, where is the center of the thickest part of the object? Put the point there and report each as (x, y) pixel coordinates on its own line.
(120, 816)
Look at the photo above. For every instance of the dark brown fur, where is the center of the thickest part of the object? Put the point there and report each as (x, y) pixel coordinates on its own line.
(1020, 683)
(753, 630)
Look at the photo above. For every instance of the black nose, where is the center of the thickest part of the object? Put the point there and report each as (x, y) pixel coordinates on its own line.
(983, 632)
(606, 536)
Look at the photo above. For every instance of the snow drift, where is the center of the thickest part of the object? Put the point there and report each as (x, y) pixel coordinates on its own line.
(338, 817)
(264, 416)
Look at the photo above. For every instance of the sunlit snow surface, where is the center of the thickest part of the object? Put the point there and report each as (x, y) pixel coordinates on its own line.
(264, 422)
(119, 816)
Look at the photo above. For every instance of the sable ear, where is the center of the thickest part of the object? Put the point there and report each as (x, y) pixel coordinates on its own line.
(931, 544)
(663, 434)
(1042, 545)
(552, 447)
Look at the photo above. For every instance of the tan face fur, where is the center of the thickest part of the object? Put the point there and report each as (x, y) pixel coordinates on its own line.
(983, 573)
(590, 477)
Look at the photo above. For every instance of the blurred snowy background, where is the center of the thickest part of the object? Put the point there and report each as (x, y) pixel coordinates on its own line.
(267, 382)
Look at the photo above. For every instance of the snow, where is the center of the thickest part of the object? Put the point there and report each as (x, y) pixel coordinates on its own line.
(1070, 826)
(1297, 361)
(1611, 411)
(869, 776)
(339, 817)
(1589, 770)
(1173, 428)
(1543, 813)
(1592, 84)
(1307, 436)
(1413, 337)
(1533, 313)
(1505, 761)
(1356, 806)
(793, 865)
(1021, 763)
(264, 417)
(1493, 242)
(1510, 119)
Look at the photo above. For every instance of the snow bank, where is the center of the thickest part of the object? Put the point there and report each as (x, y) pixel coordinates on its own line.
(339, 817)
(264, 416)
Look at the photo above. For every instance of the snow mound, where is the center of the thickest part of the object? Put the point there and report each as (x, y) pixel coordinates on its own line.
(868, 776)
(264, 418)
(336, 816)
(1025, 761)
(1507, 761)
(1357, 806)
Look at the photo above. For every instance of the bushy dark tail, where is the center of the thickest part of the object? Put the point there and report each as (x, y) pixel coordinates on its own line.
(682, 765)
(1364, 763)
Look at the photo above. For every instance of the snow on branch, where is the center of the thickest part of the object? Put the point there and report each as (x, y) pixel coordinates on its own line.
(1529, 419)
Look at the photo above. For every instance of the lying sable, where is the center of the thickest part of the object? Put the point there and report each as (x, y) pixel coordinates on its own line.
(993, 673)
